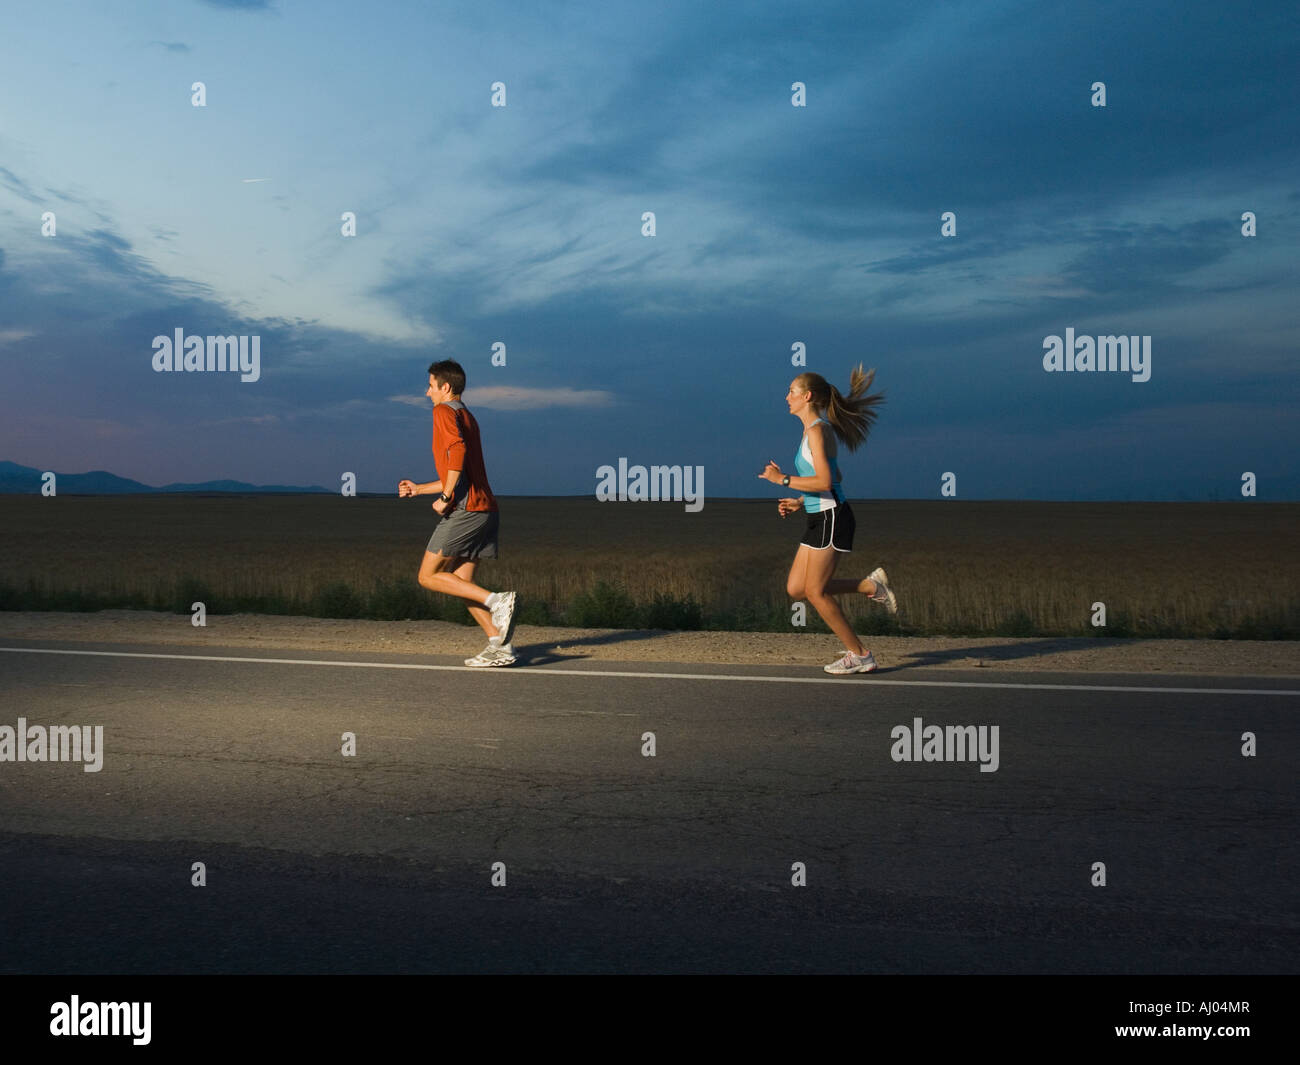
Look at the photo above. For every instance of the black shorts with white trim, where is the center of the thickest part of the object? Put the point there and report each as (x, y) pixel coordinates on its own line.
(831, 528)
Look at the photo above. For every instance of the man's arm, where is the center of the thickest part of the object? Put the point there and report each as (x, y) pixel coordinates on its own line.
(442, 504)
(410, 488)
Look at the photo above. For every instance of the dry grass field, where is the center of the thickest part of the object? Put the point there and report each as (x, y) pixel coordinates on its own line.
(960, 568)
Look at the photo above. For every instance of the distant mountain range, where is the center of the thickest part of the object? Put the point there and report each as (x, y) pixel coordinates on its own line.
(15, 479)
(22, 480)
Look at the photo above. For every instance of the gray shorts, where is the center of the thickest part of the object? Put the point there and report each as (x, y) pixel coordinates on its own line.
(466, 534)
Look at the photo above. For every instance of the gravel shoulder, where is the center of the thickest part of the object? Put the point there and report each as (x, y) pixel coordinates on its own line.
(275, 633)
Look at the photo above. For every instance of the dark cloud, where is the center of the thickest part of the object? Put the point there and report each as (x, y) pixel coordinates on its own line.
(105, 251)
(1152, 259)
(943, 108)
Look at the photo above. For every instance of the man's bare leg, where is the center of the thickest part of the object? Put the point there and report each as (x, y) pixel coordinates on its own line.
(481, 614)
(454, 576)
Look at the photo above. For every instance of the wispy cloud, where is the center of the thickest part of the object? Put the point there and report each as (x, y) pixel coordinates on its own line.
(513, 397)
(510, 397)
(16, 185)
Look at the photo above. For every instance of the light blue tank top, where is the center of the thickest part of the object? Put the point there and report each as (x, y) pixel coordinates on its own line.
(816, 502)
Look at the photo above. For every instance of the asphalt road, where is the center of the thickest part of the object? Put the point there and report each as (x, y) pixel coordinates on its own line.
(618, 862)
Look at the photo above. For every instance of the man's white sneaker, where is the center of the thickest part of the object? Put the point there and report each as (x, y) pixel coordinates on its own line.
(883, 595)
(491, 656)
(852, 663)
(503, 616)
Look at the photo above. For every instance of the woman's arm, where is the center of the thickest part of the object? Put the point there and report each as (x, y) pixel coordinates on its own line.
(820, 481)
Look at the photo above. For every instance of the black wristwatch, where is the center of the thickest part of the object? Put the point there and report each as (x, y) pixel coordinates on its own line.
(785, 481)
(444, 497)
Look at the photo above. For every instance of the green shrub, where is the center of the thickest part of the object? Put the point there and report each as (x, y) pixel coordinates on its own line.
(667, 612)
(1017, 624)
(604, 607)
(337, 600)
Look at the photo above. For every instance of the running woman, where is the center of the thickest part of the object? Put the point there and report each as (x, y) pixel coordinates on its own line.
(468, 529)
(829, 417)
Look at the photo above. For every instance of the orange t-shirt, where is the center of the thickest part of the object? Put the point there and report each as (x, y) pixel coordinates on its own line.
(456, 446)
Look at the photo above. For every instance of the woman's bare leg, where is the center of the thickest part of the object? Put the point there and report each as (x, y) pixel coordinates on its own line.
(821, 565)
(795, 583)
(843, 586)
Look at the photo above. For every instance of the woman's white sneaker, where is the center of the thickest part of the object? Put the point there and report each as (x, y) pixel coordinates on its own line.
(883, 595)
(852, 663)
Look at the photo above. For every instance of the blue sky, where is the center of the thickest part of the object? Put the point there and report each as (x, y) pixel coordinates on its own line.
(775, 224)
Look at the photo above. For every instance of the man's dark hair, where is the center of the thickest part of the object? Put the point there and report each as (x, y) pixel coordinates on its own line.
(449, 372)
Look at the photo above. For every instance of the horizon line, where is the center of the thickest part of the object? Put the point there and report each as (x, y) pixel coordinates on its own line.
(591, 496)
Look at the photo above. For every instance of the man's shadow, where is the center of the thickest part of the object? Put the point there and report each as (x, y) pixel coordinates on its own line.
(540, 654)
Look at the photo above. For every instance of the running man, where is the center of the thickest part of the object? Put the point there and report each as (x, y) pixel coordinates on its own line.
(468, 529)
(828, 416)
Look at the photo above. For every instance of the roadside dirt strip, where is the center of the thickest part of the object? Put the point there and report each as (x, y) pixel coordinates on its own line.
(1049, 655)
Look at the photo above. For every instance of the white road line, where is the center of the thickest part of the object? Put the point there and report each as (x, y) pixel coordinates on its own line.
(543, 672)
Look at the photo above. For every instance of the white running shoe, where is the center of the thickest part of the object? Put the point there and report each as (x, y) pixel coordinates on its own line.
(503, 616)
(852, 663)
(491, 656)
(883, 595)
